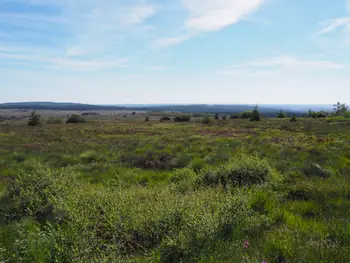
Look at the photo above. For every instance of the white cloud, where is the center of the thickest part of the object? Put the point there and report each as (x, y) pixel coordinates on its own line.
(93, 29)
(137, 14)
(343, 23)
(334, 24)
(297, 63)
(212, 15)
(269, 66)
(62, 63)
(164, 42)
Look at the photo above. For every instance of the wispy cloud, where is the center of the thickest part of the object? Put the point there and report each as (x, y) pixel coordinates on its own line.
(78, 34)
(268, 66)
(333, 24)
(62, 63)
(212, 15)
(164, 42)
(340, 23)
(293, 62)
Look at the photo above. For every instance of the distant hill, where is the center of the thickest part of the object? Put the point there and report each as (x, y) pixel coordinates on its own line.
(267, 110)
(56, 106)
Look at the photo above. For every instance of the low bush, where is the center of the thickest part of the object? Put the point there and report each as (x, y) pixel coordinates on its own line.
(165, 118)
(75, 119)
(282, 115)
(241, 170)
(234, 116)
(207, 120)
(183, 118)
(294, 118)
(198, 164)
(246, 115)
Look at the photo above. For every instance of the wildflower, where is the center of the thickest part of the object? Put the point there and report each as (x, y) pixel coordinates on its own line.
(245, 244)
(264, 261)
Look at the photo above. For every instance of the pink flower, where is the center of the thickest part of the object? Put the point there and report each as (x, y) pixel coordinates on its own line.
(264, 261)
(245, 244)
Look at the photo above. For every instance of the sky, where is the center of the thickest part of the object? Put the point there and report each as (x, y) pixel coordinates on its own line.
(175, 51)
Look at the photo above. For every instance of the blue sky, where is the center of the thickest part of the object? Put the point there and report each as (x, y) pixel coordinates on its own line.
(175, 51)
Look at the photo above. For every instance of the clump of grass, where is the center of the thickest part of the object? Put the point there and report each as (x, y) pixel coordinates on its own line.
(315, 169)
(53, 120)
(89, 156)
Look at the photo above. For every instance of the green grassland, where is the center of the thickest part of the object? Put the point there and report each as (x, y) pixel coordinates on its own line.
(132, 191)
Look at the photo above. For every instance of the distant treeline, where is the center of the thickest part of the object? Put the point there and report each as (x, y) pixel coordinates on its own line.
(222, 109)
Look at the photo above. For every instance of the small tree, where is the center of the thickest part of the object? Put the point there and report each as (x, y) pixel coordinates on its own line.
(310, 115)
(207, 120)
(282, 115)
(294, 118)
(147, 119)
(224, 117)
(340, 109)
(256, 116)
(216, 117)
(34, 119)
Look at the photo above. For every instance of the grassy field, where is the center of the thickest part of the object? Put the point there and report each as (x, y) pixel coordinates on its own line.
(135, 191)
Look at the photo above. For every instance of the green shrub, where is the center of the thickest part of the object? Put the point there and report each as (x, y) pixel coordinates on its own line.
(146, 119)
(282, 115)
(207, 120)
(75, 119)
(181, 161)
(320, 114)
(165, 118)
(246, 115)
(183, 118)
(198, 164)
(241, 170)
(235, 116)
(224, 118)
(34, 119)
(183, 174)
(217, 117)
(294, 118)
